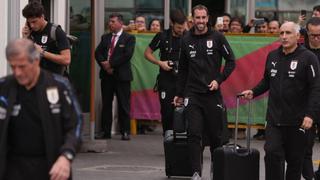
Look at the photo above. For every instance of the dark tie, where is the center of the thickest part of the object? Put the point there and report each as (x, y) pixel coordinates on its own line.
(111, 49)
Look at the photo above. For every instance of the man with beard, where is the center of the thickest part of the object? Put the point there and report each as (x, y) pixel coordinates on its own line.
(169, 43)
(54, 49)
(198, 84)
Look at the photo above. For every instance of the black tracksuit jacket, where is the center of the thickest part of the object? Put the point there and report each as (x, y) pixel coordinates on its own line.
(294, 86)
(201, 60)
(62, 130)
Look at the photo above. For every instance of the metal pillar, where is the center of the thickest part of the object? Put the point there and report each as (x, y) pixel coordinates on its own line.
(166, 14)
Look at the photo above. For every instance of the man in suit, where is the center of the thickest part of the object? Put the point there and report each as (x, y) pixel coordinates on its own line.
(113, 55)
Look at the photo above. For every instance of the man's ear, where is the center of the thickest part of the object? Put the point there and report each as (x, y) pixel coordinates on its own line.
(298, 35)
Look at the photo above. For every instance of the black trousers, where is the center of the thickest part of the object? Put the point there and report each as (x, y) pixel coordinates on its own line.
(204, 117)
(22, 168)
(122, 89)
(307, 170)
(284, 144)
(166, 95)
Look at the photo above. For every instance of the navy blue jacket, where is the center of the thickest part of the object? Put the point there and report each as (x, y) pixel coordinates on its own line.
(62, 127)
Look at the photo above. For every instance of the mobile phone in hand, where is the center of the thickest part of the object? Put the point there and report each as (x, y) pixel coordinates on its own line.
(219, 20)
(303, 12)
(258, 21)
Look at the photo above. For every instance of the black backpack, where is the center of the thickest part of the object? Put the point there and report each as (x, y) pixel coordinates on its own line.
(72, 39)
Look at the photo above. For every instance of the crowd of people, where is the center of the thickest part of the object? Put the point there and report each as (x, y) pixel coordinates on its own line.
(192, 88)
(190, 75)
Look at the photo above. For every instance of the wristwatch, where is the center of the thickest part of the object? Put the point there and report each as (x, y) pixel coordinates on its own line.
(68, 155)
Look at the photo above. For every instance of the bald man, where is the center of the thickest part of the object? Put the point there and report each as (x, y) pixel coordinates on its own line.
(292, 78)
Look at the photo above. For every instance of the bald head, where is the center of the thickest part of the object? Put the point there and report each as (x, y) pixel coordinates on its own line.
(20, 47)
(289, 36)
(290, 24)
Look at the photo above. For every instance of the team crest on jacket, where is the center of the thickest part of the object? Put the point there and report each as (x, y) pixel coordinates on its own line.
(293, 64)
(44, 39)
(186, 102)
(53, 95)
(209, 43)
(163, 94)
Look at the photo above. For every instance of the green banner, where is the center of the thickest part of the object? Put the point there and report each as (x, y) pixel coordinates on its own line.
(250, 51)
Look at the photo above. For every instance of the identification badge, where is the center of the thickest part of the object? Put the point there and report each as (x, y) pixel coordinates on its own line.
(53, 95)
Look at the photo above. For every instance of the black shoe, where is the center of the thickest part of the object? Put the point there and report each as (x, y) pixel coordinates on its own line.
(102, 135)
(125, 137)
(317, 174)
(260, 134)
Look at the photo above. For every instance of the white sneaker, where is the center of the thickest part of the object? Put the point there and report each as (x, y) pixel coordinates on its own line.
(196, 176)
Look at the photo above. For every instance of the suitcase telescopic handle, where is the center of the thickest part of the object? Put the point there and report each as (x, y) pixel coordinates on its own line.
(237, 122)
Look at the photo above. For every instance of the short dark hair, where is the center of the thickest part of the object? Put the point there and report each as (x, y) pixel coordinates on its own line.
(315, 21)
(275, 20)
(237, 19)
(200, 7)
(117, 15)
(33, 9)
(227, 14)
(316, 8)
(155, 19)
(177, 16)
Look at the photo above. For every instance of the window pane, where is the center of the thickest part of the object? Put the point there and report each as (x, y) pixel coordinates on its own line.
(180, 4)
(79, 69)
(148, 4)
(119, 3)
(238, 8)
(265, 4)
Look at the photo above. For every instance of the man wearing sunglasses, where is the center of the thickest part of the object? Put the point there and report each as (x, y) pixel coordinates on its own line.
(313, 44)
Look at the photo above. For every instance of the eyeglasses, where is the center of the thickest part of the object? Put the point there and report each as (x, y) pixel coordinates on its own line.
(140, 22)
(235, 24)
(314, 35)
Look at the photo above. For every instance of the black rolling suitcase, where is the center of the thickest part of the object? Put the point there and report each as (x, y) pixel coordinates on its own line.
(233, 162)
(177, 161)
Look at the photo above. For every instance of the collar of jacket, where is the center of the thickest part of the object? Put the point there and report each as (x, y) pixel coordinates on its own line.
(298, 49)
(210, 31)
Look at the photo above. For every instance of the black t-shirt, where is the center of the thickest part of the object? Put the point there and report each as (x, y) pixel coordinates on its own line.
(170, 49)
(26, 136)
(44, 39)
